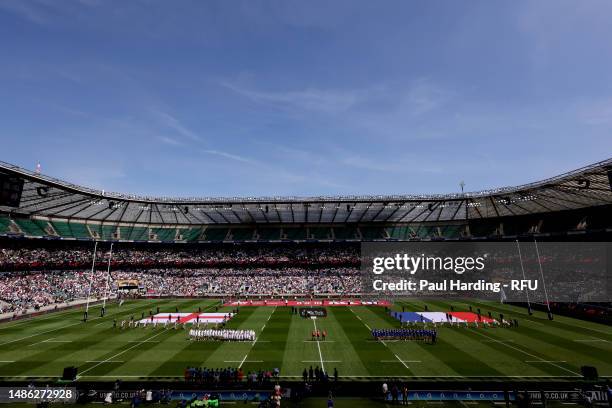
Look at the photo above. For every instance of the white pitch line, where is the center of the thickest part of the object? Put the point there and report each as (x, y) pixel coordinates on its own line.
(30, 376)
(144, 341)
(319, 346)
(243, 361)
(448, 376)
(543, 324)
(405, 361)
(321, 361)
(359, 317)
(594, 329)
(30, 319)
(131, 376)
(382, 341)
(47, 316)
(120, 353)
(256, 339)
(42, 341)
(58, 328)
(593, 340)
(545, 361)
(319, 341)
(102, 361)
(524, 352)
(577, 325)
(399, 359)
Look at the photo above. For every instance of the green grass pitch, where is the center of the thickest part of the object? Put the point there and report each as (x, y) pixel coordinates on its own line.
(538, 349)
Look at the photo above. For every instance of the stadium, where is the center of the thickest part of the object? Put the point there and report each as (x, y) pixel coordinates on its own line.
(305, 204)
(240, 293)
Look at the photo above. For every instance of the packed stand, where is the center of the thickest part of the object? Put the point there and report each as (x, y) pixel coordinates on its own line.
(15, 257)
(21, 291)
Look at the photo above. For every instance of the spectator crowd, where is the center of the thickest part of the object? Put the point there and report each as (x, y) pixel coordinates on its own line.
(79, 256)
(21, 291)
(34, 276)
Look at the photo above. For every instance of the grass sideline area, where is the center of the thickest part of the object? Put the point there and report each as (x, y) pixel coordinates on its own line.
(538, 349)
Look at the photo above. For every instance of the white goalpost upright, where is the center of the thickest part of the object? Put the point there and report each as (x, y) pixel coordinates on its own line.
(93, 268)
(550, 316)
(518, 246)
(110, 257)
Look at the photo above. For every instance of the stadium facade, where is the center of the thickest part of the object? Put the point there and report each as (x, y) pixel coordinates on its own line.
(574, 203)
(260, 260)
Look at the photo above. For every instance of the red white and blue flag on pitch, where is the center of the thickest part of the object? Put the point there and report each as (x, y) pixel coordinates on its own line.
(441, 317)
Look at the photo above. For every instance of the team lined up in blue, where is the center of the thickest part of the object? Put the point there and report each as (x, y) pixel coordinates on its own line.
(429, 335)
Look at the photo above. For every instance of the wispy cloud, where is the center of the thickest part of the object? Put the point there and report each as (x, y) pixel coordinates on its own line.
(94, 175)
(365, 163)
(398, 165)
(173, 123)
(553, 29)
(25, 9)
(409, 110)
(169, 141)
(230, 156)
(311, 99)
(44, 12)
(423, 96)
(296, 154)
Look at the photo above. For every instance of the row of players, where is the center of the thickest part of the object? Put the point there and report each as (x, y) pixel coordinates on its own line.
(430, 335)
(165, 324)
(225, 334)
(485, 324)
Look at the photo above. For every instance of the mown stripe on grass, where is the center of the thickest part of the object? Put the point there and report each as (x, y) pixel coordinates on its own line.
(84, 337)
(431, 364)
(293, 350)
(236, 351)
(348, 346)
(560, 322)
(518, 349)
(497, 351)
(25, 333)
(71, 330)
(274, 337)
(193, 353)
(48, 318)
(130, 352)
(458, 360)
(371, 354)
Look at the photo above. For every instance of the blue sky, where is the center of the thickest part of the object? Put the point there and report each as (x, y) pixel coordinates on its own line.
(304, 98)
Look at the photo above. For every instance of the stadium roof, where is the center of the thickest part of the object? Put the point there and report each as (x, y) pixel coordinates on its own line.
(49, 197)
